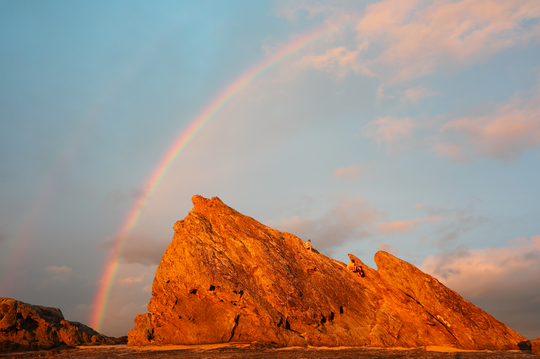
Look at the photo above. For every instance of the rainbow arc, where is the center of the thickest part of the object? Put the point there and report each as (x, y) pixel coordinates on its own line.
(180, 143)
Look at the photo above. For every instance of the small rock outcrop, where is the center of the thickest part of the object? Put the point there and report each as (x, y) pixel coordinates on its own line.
(228, 278)
(25, 326)
(535, 346)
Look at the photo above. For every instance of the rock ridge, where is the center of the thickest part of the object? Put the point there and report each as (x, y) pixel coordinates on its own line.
(227, 278)
(25, 326)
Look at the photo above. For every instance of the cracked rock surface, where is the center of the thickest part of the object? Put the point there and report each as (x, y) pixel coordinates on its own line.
(228, 278)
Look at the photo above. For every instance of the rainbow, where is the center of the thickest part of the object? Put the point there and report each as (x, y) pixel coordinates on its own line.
(112, 264)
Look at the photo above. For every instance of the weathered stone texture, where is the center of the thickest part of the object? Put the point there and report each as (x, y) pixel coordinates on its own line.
(25, 326)
(228, 278)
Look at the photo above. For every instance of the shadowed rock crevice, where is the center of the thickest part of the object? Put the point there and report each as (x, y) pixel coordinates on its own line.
(237, 280)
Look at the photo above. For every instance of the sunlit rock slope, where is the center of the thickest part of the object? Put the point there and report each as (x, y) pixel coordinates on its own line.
(228, 278)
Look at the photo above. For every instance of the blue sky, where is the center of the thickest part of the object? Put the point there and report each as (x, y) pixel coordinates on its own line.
(414, 128)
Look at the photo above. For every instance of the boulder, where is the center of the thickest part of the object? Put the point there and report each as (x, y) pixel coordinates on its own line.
(25, 326)
(228, 278)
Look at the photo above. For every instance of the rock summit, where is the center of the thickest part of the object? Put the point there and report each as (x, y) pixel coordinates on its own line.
(228, 278)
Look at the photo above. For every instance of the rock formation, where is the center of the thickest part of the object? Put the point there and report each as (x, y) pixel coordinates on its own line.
(535, 346)
(29, 327)
(228, 278)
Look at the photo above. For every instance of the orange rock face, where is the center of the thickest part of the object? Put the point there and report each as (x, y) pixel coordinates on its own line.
(25, 326)
(228, 278)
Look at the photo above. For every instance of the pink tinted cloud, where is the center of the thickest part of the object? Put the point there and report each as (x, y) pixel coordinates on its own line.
(416, 94)
(453, 151)
(412, 38)
(503, 281)
(395, 227)
(509, 130)
(477, 272)
(405, 226)
(392, 131)
(387, 248)
(351, 172)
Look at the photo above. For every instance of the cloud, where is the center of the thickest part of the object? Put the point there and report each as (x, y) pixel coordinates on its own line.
(416, 94)
(132, 280)
(392, 131)
(400, 40)
(388, 248)
(399, 227)
(293, 9)
(65, 271)
(502, 280)
(502, 131)
(120, 195)
(477, 272)
(139, 249)
(351, 172)
(56, 276)
(350, 219)
(453, 223)
(503, 134)
(453, 151)
(337, 60)
(404, 226)
(407, 39)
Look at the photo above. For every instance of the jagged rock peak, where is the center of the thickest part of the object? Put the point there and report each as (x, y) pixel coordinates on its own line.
(25, 326)
(227, 278)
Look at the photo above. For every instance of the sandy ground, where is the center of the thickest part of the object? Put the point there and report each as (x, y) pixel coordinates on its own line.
(241, 351)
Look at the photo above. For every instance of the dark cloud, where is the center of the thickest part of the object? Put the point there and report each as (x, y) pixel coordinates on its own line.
(139, 249)
(455, 223)
(349, 219)
(121, 195)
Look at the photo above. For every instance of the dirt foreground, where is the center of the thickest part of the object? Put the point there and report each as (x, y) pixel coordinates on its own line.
(256, 351)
